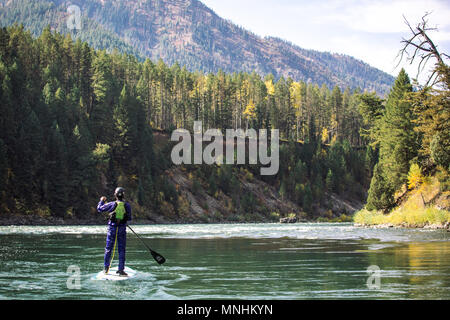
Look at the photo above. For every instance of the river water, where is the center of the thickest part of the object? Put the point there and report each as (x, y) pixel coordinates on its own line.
(232, 261)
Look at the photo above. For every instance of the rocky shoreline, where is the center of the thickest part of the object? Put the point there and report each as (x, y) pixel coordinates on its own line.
(33, 220)
(438, 226)
(51, 221)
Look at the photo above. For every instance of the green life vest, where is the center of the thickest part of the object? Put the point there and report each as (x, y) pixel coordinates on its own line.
(120, 210)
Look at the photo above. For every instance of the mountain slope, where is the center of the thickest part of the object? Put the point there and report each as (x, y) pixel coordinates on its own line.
(188, 32)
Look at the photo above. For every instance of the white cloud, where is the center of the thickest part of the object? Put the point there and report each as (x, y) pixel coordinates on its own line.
(381, 57)
(370, 30)
(441, 36)
(385, 16)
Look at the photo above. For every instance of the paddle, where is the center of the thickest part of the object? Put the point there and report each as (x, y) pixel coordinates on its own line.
(158, 258)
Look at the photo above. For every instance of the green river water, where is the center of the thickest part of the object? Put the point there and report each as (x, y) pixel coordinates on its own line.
(232, 261)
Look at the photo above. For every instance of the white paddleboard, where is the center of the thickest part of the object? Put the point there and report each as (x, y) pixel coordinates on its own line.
(113, 276)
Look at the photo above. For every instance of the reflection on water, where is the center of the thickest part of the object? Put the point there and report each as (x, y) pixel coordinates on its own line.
(257, 261)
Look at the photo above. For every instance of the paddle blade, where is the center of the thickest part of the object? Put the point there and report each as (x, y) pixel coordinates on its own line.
(158, 258)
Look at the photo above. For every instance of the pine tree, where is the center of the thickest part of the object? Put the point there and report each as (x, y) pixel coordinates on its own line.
(124, 135)
(85, 78)
(329, 181)
(380, 196)
(371, 109)
(440, 149)
(307, 199)
(146, 170)
(318, 189)
(56, 175)
(212, 185)
(102, 105)
(81, 168)
(336, 105)
(432, 108)
(398, 140)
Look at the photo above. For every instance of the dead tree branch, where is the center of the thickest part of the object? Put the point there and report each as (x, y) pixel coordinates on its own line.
(424, 48)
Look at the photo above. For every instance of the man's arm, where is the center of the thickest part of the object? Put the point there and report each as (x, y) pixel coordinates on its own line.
(106, 207)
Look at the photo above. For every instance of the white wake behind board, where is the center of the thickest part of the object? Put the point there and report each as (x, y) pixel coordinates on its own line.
(113, 276)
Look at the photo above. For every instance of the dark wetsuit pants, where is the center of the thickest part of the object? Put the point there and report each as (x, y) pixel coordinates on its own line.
(121, 244)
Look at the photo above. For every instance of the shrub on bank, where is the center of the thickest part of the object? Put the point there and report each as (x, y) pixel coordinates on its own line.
(404, 216)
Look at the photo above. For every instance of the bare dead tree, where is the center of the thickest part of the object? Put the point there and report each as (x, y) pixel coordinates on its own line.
(424, 49)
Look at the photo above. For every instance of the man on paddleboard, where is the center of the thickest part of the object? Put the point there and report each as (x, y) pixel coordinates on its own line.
(119, 214)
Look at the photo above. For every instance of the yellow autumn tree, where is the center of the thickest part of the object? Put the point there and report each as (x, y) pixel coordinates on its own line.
(296, 97)
(415, 177)
(295, 91)
(270, 87)
(324, 135)
(250, 110)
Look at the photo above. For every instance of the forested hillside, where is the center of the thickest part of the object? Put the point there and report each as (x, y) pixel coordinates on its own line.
(76, 122)
(189, 33)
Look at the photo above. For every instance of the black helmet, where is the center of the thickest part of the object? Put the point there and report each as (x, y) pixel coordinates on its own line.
(119, 192)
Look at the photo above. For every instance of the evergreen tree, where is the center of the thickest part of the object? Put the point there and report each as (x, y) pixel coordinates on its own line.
(440, 150)
(398, 140)
(56, 175)
(371, 109)
(81, 165)
(432, 109)
(212, 188)
(380, 195)
(307, 199)
(124, 126)
(329, 181)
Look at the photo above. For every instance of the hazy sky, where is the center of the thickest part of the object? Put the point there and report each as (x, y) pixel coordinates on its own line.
(370, 30)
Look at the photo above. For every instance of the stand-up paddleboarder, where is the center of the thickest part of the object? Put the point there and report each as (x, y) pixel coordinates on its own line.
(119, 214)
